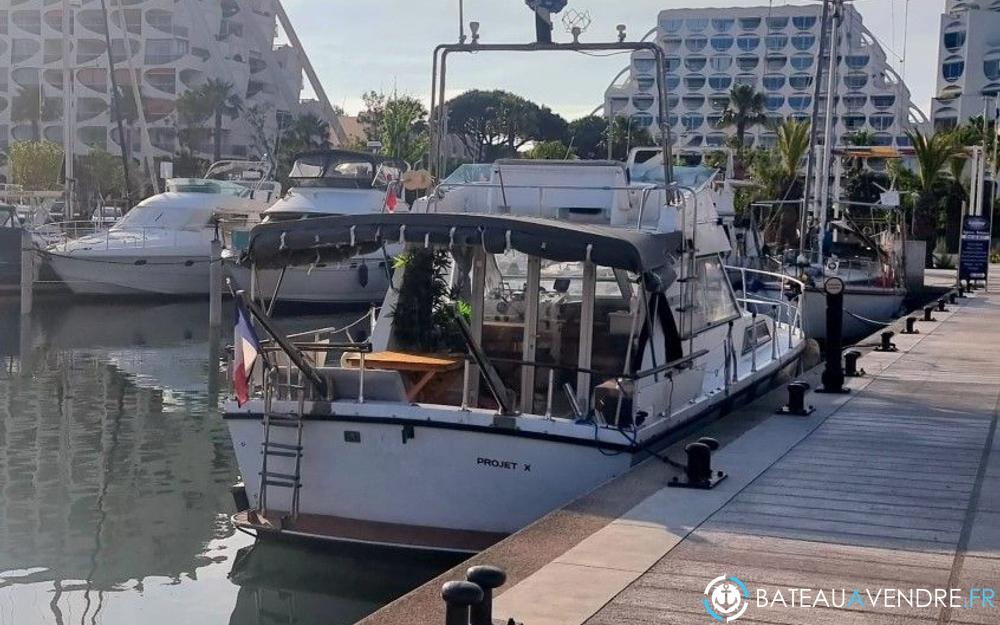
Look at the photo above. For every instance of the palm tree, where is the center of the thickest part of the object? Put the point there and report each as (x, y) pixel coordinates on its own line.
(860, 138)
(933, 154)
(745, 110)
(29, 105)
(792, 146)
(215, 99)
(309, 132)
(625, 135)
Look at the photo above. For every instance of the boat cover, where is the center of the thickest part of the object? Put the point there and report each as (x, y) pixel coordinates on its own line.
(336, 238)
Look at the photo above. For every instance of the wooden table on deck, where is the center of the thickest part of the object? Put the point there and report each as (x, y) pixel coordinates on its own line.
(428, 366)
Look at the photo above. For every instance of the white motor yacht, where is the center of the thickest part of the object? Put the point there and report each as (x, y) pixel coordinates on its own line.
(163, 245)
(551, 324)
(325, 183)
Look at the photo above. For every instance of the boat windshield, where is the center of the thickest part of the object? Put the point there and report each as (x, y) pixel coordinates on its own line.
(343, 170)
(652, 172)
(202, 185)
(469, 173)
(161, 215)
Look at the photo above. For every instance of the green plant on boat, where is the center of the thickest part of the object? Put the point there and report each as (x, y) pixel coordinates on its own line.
(425, 316)
(944, 261)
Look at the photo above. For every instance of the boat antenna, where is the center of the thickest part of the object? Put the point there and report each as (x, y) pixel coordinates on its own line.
(461, 21)
(824, 44)
(543, 17)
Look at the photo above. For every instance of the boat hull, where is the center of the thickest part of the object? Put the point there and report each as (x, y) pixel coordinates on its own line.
(344, 283)
(437, 476)
(133, 274)
(866, 309)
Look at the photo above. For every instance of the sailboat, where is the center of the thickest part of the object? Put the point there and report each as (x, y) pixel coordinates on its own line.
(868, 256)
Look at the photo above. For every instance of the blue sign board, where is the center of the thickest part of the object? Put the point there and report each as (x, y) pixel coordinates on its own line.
(975, 259)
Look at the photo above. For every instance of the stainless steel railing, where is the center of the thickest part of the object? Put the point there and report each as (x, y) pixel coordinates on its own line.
(787, 307)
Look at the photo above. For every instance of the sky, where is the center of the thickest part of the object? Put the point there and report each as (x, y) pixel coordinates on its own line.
(386, 45)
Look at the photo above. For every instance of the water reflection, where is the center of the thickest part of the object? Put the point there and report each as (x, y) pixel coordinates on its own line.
(114, 482)
(292, 583)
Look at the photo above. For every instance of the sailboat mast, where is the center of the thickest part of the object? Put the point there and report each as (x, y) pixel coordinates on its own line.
(67, 92)
(822, 201)
(115, 108)
(824, 46)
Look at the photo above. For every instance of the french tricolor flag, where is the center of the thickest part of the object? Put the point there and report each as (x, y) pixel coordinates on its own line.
(246, 349)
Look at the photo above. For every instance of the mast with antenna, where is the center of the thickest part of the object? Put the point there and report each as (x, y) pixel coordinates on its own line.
(69, 134)
(824, 47)
(822, 200)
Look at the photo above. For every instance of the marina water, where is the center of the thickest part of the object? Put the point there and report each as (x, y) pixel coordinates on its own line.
(115, 470)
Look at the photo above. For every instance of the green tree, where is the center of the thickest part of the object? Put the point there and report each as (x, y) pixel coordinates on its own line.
(307, 132)
(745, 110)
(791, 148)
(215, 100)
(586, 136)
(932, 154)
(955, 198)
(860, 138)
(494, 124)
(550, 151)
(35, 165)
(623, 135)
(860, 183)
(370, 117)
(404, 132)
(99, 175)
(29, 105)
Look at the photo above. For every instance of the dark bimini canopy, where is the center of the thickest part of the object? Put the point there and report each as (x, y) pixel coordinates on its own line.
(331, 239)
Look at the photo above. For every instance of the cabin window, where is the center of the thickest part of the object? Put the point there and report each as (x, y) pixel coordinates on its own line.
(755, 336)
(710, 301)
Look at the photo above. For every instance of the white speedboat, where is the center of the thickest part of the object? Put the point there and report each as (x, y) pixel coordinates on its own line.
(163, 245)
(324, 183)
(548, 328)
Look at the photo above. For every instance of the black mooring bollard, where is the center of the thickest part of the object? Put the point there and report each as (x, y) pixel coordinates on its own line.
(833, 373)
(711, 443)
(910, 329)
(699, 462)
(941, 307)
(928, 313)
(458, 597)
(488, 578)
(797, 400)
(698, 473)
(887, 345)
(851, 364)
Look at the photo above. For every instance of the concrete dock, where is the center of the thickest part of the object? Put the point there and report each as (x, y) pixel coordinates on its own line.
(889, 489)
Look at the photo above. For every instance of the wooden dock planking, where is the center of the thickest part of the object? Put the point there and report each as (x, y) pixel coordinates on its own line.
(886, 486)
(884, 493)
